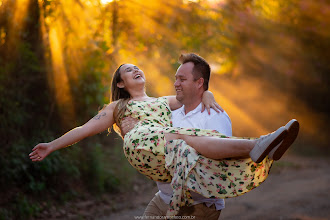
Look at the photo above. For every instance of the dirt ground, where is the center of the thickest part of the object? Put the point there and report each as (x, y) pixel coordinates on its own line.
(298, 188)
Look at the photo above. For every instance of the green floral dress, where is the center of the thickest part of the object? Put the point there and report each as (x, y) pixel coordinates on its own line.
(174, 161)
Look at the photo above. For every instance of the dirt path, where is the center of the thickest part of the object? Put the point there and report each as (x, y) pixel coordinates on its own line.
(297, 189)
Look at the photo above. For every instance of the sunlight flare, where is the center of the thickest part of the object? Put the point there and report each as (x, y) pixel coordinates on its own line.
(59, 77)
(268, 9)
(16, 24)
(243, 123)
(20, 12)
(104, 2)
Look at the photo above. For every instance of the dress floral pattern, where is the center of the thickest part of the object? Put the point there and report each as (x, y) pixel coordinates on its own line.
(175, 161)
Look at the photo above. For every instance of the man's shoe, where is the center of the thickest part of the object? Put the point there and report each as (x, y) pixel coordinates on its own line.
(266, 143)
(293, 129)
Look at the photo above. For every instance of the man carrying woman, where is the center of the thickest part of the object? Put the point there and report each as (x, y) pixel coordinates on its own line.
(193, 160)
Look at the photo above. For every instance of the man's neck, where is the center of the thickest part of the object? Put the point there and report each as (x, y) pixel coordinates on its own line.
(191, 106)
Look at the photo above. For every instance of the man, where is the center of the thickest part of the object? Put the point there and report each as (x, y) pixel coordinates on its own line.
(192, 79)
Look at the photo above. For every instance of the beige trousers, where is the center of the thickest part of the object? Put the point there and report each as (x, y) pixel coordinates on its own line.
(157, 207)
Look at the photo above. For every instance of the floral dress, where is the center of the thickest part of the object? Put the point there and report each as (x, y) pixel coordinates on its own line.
(175, 161)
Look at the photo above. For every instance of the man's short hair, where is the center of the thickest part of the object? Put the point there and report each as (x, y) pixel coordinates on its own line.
(201, 67)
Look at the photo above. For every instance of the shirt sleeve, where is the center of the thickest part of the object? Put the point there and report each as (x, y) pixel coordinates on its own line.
(220, 122)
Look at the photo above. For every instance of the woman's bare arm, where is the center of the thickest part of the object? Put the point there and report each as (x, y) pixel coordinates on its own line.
(102, 121)
(208, 102)
(173, 102)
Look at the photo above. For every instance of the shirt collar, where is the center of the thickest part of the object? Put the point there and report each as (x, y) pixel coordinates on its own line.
(197, 109)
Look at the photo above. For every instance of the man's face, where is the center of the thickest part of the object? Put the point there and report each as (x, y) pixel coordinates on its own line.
(185, 86)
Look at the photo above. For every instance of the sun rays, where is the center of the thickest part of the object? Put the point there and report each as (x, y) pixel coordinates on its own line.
(152, 34)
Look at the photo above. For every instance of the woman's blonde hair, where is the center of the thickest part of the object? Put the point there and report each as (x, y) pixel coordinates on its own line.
(121, 95)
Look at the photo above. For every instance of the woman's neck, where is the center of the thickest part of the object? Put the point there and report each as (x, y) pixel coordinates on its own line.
(139, 96)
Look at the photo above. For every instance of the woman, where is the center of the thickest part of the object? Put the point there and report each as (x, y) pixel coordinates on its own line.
(186, 157)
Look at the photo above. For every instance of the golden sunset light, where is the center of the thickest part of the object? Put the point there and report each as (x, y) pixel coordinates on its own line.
(104, 2)
(17, 23)
(59, 79)
(269, 65)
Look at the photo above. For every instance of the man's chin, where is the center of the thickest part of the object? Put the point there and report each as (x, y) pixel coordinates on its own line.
(179, 97)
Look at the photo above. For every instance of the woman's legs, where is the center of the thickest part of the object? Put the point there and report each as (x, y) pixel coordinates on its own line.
(215, 147)
(221, 148)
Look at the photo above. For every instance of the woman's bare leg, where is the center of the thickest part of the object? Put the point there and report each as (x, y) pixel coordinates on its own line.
(214, 147)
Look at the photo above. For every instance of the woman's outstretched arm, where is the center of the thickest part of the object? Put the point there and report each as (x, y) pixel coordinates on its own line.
(102, 121)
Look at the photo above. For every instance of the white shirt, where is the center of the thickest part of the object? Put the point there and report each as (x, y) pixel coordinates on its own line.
(195, 119)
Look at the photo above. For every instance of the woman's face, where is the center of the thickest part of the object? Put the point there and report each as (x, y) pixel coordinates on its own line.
(131, 76)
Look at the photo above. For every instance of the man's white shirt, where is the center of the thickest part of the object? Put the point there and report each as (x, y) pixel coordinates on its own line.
(196, 119)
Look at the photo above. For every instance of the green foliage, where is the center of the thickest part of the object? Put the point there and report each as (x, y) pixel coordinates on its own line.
(4, 214)
(92, 85)
(25, 208)
(16, 82)
(98, 178)
(34, 177)
(20, 208)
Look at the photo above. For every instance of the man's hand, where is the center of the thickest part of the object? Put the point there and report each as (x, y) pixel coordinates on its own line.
(127, 124)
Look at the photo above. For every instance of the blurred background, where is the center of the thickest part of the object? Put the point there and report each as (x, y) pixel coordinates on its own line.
(270, 62)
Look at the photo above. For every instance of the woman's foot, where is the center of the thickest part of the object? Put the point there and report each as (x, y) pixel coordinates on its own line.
(293, 129)
(266, 143)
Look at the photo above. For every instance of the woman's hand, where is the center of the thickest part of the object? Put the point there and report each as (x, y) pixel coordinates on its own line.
(40, 152)
(208, 102)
